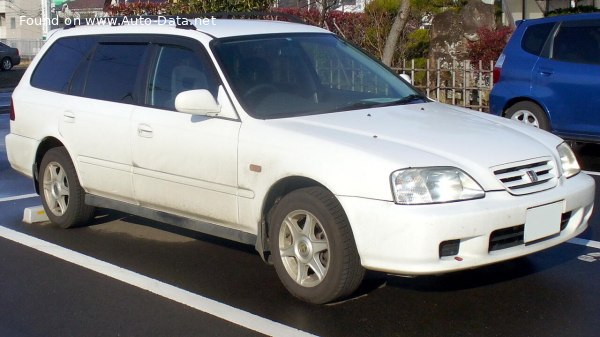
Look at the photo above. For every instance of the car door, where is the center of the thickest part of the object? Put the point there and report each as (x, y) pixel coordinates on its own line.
(184, 164)
(95, 122)
(567, 81)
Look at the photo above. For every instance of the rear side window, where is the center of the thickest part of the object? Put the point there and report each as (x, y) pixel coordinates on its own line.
(535, 37)
(578, 43)
(55, 70)
(113, 72)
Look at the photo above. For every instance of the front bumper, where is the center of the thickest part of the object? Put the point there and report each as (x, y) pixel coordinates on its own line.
(406, 239)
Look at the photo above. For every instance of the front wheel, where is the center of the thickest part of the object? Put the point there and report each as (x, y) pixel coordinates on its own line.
(528, 113)
(62, 195)
(313, 248)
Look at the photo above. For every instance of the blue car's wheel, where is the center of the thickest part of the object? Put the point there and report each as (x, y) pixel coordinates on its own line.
(528, 113)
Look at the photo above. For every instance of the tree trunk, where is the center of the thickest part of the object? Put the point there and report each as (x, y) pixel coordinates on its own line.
(397, 27)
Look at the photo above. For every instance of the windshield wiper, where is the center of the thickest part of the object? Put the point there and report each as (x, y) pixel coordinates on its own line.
(413, 98)
(370, 103)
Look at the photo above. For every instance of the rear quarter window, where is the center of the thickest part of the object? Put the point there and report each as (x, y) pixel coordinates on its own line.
(55, 70)
(535, 38)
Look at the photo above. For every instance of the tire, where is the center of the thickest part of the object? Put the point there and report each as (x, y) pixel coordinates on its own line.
(319, 263)
(528, 113)
(6, 64)
(61, 192)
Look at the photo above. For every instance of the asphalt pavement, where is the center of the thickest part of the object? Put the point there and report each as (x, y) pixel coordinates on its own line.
(5, 101)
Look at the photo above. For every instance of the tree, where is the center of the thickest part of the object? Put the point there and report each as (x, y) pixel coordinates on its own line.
(490, 44)
(326, 7)
(391, 43)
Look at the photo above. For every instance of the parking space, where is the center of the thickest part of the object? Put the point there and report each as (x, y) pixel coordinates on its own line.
(171, 273)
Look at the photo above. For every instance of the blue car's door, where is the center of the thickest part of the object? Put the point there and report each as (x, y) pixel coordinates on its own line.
(568, 81)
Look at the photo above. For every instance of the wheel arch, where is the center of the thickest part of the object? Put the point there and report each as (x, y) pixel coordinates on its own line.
(275, 193)
(45, 145)
(516, 100)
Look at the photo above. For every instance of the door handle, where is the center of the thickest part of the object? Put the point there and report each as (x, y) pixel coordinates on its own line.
(144, 130)
(546, 71)
(68, 117)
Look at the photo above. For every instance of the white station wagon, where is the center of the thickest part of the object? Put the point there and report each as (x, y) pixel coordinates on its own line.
(286, 137)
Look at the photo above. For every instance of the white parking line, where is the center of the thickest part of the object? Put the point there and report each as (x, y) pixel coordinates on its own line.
(206, 305)
(18, 197)
(585, 242)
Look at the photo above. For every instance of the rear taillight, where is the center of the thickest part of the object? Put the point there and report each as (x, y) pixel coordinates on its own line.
(12, 110)
(498, 68)
(497, 72)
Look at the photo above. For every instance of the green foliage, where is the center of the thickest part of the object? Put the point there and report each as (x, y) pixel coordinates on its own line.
(575, 10)
(417, 44)
(383, 6)
(437, 6)
(420, 77)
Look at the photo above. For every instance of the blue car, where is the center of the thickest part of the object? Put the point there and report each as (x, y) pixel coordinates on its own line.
(548, 76)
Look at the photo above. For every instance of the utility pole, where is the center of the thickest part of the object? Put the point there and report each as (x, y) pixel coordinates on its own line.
(46, 18)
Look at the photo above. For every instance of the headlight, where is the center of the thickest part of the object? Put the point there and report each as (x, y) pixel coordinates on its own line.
(433, 185)
(569, 163)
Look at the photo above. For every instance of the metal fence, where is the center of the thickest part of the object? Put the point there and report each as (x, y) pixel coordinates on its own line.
(27, 48)
(467, 84)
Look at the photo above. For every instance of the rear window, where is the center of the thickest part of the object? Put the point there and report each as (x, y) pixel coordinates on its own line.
(535, 37)
(55, 70)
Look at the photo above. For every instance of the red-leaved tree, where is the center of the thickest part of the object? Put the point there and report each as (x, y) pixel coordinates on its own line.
(490, 44)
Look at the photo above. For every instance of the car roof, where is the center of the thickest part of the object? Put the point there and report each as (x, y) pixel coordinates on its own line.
(216, 28)
(567, 17)
(221, 28)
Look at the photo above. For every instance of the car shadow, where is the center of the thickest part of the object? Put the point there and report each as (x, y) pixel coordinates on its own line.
(588, 157)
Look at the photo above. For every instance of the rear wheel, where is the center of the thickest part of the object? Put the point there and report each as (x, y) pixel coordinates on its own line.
(528, 113)
(62, 195)
(6, 63)
(313, 247)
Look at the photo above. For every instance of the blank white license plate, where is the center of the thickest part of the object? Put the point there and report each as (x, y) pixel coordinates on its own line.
(542, 221)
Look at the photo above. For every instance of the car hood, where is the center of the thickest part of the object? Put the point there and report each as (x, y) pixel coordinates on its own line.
(420, 135)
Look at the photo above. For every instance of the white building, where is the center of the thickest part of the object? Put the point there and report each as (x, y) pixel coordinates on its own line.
(18, 20)
(532, 9)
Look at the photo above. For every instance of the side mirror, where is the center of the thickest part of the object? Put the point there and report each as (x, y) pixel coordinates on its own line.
(197, 102)
(406, 78)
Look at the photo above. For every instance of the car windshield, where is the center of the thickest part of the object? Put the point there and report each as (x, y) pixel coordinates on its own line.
(287, 75)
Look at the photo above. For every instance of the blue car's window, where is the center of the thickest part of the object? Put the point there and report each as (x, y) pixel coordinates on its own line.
(577, 44)
(535, 37)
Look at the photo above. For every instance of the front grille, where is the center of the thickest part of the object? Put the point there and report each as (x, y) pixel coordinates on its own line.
(513, 236)
(527, 176)
(506, 238)
(564, 220)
